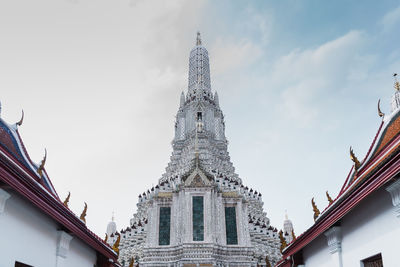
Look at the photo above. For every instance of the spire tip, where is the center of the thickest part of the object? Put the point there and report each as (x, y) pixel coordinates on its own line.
(198, 40)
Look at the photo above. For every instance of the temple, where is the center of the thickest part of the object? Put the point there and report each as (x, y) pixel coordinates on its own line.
(360, 226)
(200, 213)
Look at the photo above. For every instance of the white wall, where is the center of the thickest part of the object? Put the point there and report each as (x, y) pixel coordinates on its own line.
(29, 236)
(369, 229)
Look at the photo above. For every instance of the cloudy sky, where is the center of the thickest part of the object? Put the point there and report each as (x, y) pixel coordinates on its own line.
(100, 80)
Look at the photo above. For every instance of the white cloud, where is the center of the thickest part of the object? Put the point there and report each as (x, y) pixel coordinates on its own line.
(390, 19)
(228, 55)
(304, 75)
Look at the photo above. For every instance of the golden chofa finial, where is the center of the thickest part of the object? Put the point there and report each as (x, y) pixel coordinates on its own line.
(67, 199)
(354, 159)
(106, 238)
(115, 247)
(396, 82)
(329, 198)
(41, 167)
(283, 241)
(380, 113)
(83, 215)
(315, 209)
(21, 120)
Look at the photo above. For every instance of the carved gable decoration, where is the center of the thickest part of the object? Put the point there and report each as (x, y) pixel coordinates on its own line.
(197, 179)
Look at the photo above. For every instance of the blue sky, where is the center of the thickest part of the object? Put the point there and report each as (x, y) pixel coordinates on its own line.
(100, 83)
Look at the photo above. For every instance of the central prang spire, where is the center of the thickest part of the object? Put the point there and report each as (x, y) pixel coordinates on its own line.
(199, 70)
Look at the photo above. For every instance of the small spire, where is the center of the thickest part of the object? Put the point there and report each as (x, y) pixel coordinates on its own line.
(286, 216)
(182, 101)
(198, 40)
(396, 82)
(112, 217)
(216, 99)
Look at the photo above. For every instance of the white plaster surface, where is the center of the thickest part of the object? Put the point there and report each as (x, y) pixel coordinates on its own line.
(369, 229)
(31, 237)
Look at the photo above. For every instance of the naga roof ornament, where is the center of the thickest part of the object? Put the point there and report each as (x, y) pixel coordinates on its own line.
(19, 123)
(315, 209)
(83, 214)
(41, 167)
(115, 247)
(330, 200)
(353, 157)
(380, 113)
(67, 200)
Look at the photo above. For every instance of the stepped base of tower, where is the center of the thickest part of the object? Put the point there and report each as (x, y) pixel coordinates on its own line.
(198, 255)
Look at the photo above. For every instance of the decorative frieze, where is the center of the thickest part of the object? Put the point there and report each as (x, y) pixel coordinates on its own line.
(334, 237)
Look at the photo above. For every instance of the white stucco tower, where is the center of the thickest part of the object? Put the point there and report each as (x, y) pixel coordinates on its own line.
(199, 213)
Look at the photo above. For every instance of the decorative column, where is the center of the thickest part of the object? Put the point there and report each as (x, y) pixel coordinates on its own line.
(63, 244)
(394, 190)
(334, 238)
(3, 198)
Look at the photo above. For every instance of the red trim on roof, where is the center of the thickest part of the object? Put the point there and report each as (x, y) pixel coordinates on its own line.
(382, 175)
(28, 187)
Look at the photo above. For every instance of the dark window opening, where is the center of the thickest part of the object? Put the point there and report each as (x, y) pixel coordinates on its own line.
(198, 218)
(199, 116)
(164, 226)
(230, 225)
(374, 261)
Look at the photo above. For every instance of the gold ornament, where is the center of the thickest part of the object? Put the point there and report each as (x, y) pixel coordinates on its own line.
(329, 198)
(283, 241)
(354, 159)
(40, 169)
(315, 209)
(106, 238)
(132, 261)
(67, 199)
(83, 215)
(115, 247)
(293, 235)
